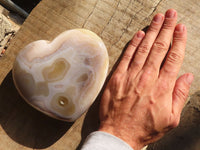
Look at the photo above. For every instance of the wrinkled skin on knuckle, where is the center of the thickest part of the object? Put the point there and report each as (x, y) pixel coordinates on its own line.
(181, 93)
(168, 24)
(143, 49)
(179, 37)
(174, 58)
(133, 43)
(160, 46)
(153, 28)
(126, 56)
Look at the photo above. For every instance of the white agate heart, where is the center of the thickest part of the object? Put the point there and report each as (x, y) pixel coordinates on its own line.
(62, 78)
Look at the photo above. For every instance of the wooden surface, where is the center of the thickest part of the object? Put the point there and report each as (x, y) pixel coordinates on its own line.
(115, 21)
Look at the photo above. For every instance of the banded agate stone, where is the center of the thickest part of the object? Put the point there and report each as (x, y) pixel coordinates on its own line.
(63, 77)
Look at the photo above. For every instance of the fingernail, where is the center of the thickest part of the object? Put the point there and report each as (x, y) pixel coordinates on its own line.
(170, 13)
(158, 18)
(190, 78)
(180, 27)
(140, 34)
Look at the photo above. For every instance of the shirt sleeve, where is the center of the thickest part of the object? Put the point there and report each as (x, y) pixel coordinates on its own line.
(104, 141)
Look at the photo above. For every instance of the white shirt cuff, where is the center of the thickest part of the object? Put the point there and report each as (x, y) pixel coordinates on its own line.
(99, 140)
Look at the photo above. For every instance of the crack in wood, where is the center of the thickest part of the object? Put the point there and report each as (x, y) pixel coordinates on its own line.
(155, 8)
(90, 14)
(110, 18)
(124, 31)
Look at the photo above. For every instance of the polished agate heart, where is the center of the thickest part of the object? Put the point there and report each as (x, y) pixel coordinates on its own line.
(62, 78)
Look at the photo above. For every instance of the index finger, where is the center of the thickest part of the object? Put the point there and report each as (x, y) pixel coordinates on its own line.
(175, 56)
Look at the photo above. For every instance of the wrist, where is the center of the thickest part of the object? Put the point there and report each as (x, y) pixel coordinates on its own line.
(134, 142)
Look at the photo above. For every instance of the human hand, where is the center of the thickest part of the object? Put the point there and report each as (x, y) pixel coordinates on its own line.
(142, 100)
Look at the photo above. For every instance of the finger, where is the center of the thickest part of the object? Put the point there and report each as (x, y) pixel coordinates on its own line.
(175, 56)
(162, 42)
(129, 52)
(144, 48)
(180, 93)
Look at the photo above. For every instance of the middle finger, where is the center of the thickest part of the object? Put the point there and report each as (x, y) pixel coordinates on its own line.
(161, 44)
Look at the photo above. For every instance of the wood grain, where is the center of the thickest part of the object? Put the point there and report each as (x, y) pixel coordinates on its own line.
(115, 21)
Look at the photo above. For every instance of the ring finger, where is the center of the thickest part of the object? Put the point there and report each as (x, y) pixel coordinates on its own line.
(144, 48)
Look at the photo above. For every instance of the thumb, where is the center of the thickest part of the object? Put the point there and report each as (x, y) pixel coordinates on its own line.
(180, 93)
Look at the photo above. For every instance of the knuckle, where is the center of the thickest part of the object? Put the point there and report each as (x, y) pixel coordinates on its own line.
(161, 46)
(179, 37)
(181, 93)
(168, 24)
(136, 65)
(140, 87)
(153, 28)
(127, 56)
(138, 90)
(150, 70)
(145, 79)
(143, 49)
(164, 86)
(174, 57)
(151, 67)
(115, 80)
(133, 43)
(170, 70)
